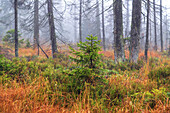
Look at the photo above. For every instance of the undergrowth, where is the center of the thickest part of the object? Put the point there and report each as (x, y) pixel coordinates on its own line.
(72, 84)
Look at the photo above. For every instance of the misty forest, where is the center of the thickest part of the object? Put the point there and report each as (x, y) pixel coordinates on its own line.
(84, 56)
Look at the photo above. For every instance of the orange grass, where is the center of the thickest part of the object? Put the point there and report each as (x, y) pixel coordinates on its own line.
(110, 54)
(33, 98)
(65, 49)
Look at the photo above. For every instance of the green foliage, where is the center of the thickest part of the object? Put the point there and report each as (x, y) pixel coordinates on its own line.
(28, 45)
(4, 65)
(153, 96)
(160, 73)
(9, 38)
(88, 56)
(88, 65)
(127, 66)
(108, 87)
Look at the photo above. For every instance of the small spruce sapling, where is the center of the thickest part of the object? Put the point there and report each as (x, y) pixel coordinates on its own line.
(87, 55)
(88, 65)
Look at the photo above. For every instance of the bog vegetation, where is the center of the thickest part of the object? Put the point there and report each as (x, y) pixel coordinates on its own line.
(84, 81)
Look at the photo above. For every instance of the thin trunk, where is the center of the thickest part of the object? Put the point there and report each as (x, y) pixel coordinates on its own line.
(135, 30)
(147, 31)
(16, 27)
(150, 30)
(98, 32)
(80, 21)
(127, 19)
(166, 32)
(155, 26)
(103, 27)
(118, 32)
(52, 28)
(169, 47)
(36, 25)
(75, 25)
(161, 26)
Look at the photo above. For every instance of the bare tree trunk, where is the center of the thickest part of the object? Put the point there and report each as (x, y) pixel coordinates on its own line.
(103, 27)
(166, 32)
(127, 19)
(161, 26)
(80, 21)
(36, 25)
(135, 30)
(75, 25)
(155, 26)
(118, 32)
(16, 27)
(98, 21)
(150, 32)
(169, 47)
(52, 28)
(147, 31)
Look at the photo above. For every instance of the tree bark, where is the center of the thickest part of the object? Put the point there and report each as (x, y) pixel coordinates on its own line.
(80, 22)
(127, 19)
(147, 31)
(36, 25)
(161, 26)
(16, 27)
(75, 25)
(118, 32)
(155, 48)
(135, 30)
(103, 27)
(166, 32)
(98, 32)
(52, 28)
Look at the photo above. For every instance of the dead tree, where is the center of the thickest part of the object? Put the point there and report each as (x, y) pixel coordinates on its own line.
(155, 47)
(16, 27)
(147, 31)
(36, 25)
(80, 21)
(98, 32)
(103, 27)
(52, 28)
(118, 32)
(161, 26)
(135, 30)
(127, 19)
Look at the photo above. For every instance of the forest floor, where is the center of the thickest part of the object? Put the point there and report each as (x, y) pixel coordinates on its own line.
(6, 52)
(35, 84)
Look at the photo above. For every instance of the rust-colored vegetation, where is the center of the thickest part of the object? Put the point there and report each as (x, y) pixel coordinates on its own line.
(41, 85)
